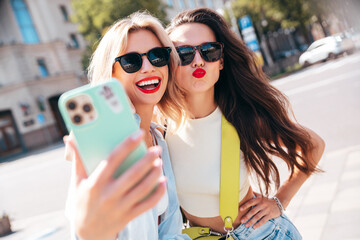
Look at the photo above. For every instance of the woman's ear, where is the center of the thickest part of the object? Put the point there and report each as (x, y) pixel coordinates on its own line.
(221, 67)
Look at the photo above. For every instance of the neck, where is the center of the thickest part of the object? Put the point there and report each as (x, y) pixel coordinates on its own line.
(146, 114)
(201, 104)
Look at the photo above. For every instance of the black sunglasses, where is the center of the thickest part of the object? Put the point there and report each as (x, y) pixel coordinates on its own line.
(132, 62)
(209, 51)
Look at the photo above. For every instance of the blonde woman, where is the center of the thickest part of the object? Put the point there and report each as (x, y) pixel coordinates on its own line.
(137, 51)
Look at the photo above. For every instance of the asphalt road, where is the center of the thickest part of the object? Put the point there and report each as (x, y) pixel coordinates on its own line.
(325, 97)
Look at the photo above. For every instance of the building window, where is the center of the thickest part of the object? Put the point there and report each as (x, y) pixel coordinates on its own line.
(64, 13)
(192, 3)
(182, 4)
(170, 3)
(42, 67)
(74, 41)
(24, 21)
(210, 4)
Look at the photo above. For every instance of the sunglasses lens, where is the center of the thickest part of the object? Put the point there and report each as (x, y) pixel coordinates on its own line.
(186, 55)
(131, 62)
(159, 57)
(211, 52)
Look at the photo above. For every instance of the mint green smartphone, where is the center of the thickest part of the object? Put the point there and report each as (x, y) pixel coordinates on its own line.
(100, 118)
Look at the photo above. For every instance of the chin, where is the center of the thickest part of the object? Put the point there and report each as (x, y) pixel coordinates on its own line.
(201, 87)
(152, 100)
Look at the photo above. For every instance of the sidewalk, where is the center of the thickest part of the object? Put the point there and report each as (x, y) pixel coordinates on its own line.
(327, 206)
(36, 188)
(51, 226)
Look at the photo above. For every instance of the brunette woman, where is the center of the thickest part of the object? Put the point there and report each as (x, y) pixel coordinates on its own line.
(219, 76)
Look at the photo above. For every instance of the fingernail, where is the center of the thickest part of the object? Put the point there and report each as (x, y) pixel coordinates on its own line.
(162, 180)
(137, 135)
(241, 209)
(156, 150)
(157, 162)
(66, 139)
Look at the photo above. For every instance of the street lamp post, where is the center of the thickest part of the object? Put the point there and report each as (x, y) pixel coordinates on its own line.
(234, 25)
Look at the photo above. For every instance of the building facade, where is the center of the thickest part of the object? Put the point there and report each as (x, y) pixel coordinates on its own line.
(40, 58)
(176, 6)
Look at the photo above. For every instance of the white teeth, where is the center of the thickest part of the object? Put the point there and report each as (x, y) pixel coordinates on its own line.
(145, 83)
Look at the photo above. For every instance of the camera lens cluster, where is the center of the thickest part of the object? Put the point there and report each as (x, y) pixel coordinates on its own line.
(77, 118)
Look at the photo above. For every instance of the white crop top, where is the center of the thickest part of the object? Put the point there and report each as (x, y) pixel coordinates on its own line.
(195, 157)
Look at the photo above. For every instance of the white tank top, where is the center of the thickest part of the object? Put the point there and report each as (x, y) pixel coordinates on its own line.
(195, 156)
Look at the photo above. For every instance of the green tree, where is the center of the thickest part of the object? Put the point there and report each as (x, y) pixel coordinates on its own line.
(279, 13)
(296, 13)
(320, 10)
(95, 16)
(260, 11)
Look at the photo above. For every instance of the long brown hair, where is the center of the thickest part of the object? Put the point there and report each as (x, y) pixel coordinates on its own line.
(258, 111)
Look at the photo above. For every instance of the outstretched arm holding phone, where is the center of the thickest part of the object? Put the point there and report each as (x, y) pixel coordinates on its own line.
(104, 205)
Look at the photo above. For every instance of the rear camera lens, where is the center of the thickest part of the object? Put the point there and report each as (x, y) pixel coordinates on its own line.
(72, 105)
(87, 108)
(77, 119)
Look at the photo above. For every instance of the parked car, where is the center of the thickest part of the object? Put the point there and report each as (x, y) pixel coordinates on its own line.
(347, 43)
(325, 48)
(355, 37)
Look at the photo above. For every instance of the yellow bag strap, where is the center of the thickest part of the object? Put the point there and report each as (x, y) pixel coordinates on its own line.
(230, 173)
(200, 233)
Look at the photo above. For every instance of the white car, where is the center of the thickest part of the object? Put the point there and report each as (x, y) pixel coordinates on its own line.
(347, 42)
(321, 50)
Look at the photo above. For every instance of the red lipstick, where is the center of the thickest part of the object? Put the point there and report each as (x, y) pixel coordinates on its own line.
(149, 84)
(199, 73)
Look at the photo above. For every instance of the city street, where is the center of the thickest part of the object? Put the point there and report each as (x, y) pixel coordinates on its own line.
(325, 97)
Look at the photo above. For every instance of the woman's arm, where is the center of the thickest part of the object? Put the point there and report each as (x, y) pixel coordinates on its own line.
(292, 185)
(104, 205)
(266, 208)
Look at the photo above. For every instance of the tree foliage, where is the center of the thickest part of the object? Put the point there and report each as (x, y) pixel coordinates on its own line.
(281, 13)
(95, 16)
(259, 11)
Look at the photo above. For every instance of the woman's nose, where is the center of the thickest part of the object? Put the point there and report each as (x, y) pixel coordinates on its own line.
(198, 60)
(146, 65)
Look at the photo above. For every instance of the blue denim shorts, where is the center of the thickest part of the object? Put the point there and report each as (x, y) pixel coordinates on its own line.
(280, 228)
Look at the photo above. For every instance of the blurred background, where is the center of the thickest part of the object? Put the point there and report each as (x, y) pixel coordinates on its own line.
(309, 49)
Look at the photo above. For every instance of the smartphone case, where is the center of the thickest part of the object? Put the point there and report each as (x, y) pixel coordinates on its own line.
(114, 122)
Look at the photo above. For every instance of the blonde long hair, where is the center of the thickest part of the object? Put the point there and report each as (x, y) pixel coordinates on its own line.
(114, 43)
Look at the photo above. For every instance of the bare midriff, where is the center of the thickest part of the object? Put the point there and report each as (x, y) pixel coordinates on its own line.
(216, 223)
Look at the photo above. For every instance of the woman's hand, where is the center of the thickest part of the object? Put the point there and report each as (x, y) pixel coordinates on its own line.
(263, 209)
(104, 205)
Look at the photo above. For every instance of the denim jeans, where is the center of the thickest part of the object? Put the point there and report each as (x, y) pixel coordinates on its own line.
(280, 228)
